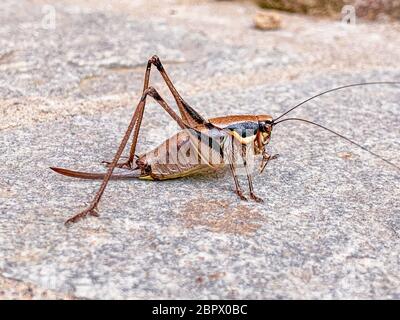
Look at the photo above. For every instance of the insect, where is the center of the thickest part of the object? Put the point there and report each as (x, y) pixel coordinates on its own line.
(199, 145)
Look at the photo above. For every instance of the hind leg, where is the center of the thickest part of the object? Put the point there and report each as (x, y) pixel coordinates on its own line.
(134, 125)
(188, 114)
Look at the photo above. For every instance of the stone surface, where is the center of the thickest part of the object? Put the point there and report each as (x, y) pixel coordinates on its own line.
(365, 9)
(266, 20)
(314, 7)
(330, 226)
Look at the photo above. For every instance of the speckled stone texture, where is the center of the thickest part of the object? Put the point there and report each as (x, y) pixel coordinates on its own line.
(330, 224)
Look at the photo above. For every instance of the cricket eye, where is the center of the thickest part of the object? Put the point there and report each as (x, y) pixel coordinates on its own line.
(267, 128)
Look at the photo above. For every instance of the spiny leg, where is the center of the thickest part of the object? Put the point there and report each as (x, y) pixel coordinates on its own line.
(92, 209)
(238, 189)
(266, 159)
(134, 124)
(188, 114)
(252, 195)
(153, 93)
(232, 166)
(248, 174)
(129, 162)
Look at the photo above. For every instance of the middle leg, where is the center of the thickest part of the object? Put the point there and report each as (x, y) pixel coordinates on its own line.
(248, 174)
(232, 156)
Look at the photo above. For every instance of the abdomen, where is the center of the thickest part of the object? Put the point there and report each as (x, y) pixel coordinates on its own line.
(177, 157)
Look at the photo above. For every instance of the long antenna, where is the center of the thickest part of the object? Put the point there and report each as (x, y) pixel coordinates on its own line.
(336, 89)
(341, 136)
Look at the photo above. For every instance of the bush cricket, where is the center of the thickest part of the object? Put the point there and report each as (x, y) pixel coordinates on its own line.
(200, 143)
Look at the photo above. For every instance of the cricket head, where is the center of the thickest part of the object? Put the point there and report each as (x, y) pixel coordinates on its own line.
(263, 136)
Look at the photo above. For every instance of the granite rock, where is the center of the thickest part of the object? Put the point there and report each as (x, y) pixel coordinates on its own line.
(330, 224)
